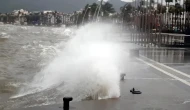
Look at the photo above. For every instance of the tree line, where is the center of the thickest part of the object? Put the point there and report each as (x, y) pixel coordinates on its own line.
(143, 6)
(92, 11)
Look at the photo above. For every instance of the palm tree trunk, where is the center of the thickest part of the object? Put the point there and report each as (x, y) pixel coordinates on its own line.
(156, 21)
(183, 16)
(99, 8)
(172, 21)
(177, 20)
(175, 17)
(161, 16)
(96, 11)
(166, 14)
(85, 14)
(146, 16)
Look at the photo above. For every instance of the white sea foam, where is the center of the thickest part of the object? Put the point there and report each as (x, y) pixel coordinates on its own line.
(86, 67)
(4, 35)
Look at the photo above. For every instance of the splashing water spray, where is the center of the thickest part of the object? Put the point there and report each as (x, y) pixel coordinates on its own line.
(87, 66)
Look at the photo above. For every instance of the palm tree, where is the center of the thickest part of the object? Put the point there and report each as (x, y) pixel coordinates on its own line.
(161, 8)
(172, 9)
(107, 8)
(79, 18)
(94, 7)
(151, 2)
(178, 8)
(187, 5)
(126, 10)
(187, 9)
(139, 8)
(85, 12)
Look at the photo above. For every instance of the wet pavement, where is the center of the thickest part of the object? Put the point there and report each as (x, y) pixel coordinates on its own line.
(176, 58)
(159, 90)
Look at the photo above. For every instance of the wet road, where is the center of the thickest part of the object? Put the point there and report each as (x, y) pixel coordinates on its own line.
(176, 58)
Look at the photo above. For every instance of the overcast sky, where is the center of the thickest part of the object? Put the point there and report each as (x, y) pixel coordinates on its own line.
(59, 5)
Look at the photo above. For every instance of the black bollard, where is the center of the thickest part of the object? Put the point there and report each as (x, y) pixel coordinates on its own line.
(122, 76)
(133, 91)
(66, 101)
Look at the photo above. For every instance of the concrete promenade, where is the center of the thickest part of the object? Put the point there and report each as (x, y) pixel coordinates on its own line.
(163, 77)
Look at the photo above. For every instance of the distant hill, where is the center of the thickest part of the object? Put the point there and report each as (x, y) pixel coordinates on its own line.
(59, 5)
